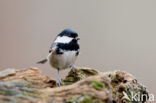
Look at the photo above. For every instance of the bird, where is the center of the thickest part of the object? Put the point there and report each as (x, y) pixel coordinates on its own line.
(63, 52)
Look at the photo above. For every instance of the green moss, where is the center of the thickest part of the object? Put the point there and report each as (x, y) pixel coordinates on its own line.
(135, 81)
(73, 99)
(89, 72)
(69, 80)
(98, 85)
(78, 75)
(100, 101)
(6, 99)
(87, 100)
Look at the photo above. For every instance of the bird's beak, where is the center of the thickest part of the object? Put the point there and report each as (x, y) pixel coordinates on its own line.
(77, 38)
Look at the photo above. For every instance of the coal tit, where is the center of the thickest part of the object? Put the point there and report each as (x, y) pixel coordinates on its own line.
(63, 52)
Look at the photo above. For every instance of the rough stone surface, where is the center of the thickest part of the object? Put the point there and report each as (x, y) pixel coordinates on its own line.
(83, 86)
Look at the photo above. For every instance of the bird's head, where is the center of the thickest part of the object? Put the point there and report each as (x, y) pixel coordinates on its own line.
(67, 36)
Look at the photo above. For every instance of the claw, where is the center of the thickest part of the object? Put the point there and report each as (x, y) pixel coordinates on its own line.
(59, 81)
(72, 67)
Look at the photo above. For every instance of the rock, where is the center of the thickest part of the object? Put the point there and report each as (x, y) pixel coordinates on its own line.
(83, 86)
(7, 72)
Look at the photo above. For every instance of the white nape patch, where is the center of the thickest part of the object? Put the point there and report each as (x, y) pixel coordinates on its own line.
(63, 39)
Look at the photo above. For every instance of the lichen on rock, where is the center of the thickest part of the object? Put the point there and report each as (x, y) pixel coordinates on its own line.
(78, 75)
(83, 86)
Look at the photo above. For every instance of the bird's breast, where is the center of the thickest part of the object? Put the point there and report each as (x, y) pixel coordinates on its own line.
(63, 60)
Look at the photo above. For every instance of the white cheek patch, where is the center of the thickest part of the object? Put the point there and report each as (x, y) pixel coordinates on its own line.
(63, 39)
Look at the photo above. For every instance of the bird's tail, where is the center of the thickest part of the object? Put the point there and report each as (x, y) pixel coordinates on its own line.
(42, 61)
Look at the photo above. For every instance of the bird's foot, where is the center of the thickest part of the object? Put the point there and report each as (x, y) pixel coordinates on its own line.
(59, 81)
(73, 68)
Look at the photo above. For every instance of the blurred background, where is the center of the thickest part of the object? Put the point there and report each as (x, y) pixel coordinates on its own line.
(115, 34)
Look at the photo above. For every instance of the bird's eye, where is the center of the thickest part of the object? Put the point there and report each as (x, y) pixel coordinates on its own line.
(69, 35)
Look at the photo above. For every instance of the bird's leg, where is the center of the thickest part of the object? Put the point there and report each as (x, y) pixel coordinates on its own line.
(59, 79)
(72, 67)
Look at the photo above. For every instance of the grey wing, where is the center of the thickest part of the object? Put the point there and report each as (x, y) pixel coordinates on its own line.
(53, 45)
(51, 51)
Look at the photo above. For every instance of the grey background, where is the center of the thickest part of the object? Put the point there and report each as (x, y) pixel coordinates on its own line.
(115, 34)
